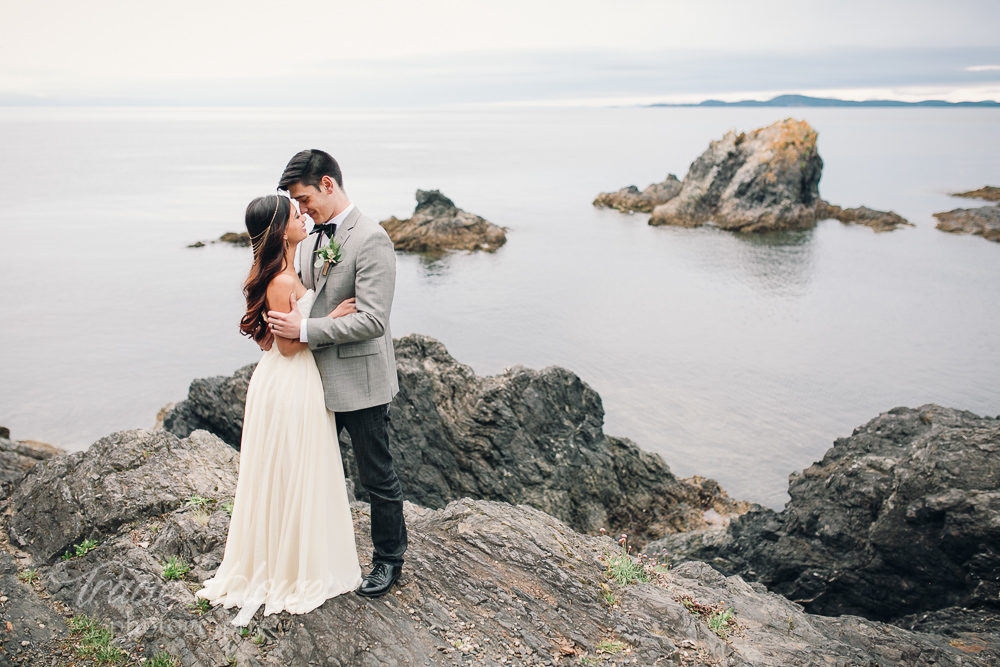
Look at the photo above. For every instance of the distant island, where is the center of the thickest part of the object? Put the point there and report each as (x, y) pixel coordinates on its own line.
(806, 101)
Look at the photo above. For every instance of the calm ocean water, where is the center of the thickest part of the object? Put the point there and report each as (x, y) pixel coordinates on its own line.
(739, 358)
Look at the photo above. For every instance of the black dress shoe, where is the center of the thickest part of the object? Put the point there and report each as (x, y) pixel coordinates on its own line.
(381, 579)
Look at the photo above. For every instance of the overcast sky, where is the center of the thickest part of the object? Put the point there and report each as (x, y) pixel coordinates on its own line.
(401, 51)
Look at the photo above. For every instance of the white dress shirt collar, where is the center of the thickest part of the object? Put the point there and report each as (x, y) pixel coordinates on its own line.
(339, 218)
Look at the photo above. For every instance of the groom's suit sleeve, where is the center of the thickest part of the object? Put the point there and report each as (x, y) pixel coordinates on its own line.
(374, 285)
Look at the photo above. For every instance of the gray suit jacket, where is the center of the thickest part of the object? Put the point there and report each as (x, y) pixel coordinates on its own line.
(354, 353)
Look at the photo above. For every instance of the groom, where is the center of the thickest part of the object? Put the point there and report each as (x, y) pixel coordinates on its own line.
(354, 352)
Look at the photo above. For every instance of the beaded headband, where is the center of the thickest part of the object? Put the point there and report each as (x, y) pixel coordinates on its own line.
(253, 239)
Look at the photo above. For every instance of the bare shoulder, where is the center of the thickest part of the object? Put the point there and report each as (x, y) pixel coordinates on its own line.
(283, 282)
(280, 287)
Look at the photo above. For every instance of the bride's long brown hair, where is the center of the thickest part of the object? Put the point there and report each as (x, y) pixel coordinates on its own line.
(266, 219)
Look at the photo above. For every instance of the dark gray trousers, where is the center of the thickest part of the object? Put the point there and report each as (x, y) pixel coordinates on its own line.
(370, 438)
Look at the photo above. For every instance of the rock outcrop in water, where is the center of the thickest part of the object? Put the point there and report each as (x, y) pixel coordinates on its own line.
(235, 238)
(880, 221)
(988, 192)
(526, 436)
(484, 583)
(983, 221)
(438, 225)
(899, 519)
(631, 199)
(765, 180)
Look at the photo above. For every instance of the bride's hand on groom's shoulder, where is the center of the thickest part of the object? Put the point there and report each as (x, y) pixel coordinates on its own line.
(346, 307)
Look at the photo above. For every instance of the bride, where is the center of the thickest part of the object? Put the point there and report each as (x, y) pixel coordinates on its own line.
(291, 538)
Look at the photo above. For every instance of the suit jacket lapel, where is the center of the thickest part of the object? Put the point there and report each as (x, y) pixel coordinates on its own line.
(307, 255)
(341, 236)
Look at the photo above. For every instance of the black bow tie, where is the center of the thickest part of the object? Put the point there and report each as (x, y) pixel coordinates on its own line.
(329, 229)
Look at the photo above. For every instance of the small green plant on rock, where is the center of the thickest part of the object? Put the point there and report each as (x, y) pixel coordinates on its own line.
(85, 546)
(79, 549)
(228, 506)
(611, 647)
(622, 568)
(197, 501)
(93, 641)
(201, 606)
(258, 638)
(163, 659)
(244, 631)
(28, 576)
(175, 568)
(720, 622)
(109, 655)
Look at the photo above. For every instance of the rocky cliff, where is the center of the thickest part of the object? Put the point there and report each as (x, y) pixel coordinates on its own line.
(899, 519)
(525, 436)
(437, 225)
(485, 583)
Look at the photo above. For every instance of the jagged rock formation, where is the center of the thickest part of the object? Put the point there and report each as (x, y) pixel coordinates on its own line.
(880, 221)
(766, 180)
(898, 519)
(214, 404)
(89, 495)
(630, 199)
(988, 192)
(484, 582)
(16, 458)
(983, 221)
(438, 225)
(526, 436)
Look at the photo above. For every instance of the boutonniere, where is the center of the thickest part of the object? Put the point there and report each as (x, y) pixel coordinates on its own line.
(328, 256)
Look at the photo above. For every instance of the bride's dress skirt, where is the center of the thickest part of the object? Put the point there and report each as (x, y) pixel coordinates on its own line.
(291, 538)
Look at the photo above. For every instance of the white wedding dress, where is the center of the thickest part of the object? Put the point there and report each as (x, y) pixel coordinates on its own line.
(291, 538)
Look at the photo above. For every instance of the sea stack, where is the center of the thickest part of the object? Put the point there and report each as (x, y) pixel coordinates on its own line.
(438, 225)
(761, 181)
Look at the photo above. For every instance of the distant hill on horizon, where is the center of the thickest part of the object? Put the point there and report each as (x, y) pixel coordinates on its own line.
(806, 101)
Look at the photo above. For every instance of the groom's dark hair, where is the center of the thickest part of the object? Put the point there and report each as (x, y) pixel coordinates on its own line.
(308, 168)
